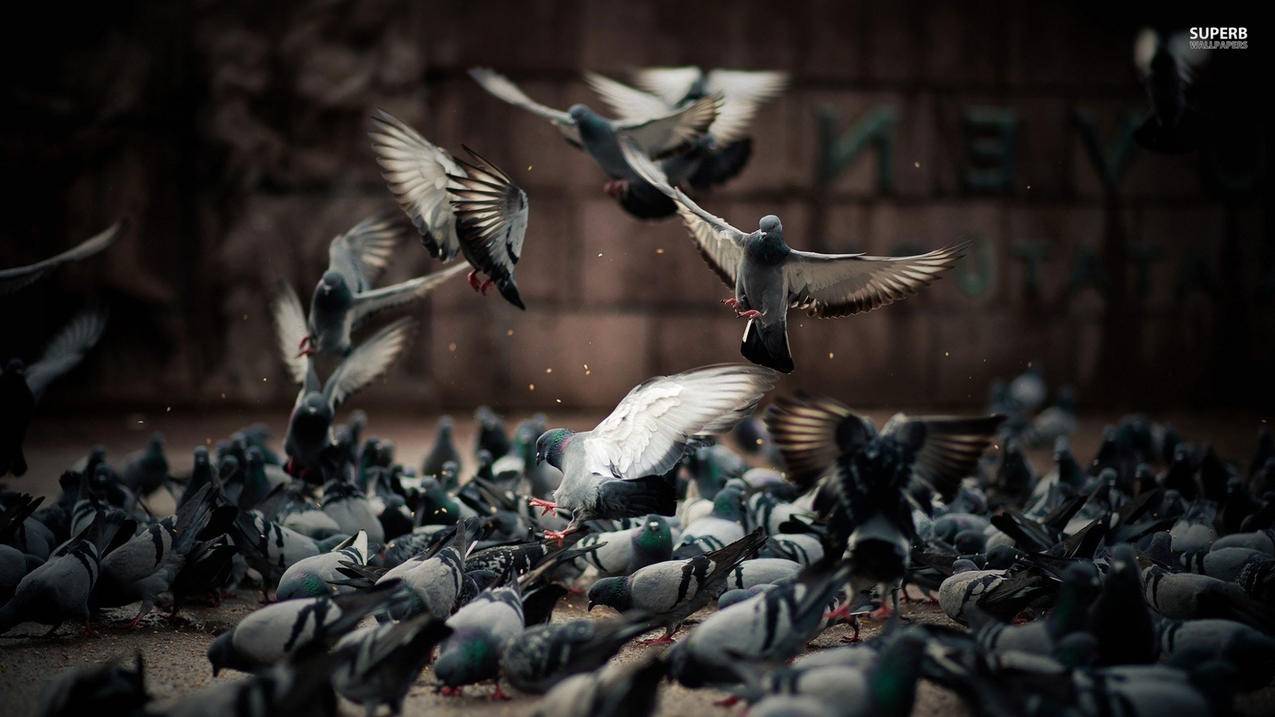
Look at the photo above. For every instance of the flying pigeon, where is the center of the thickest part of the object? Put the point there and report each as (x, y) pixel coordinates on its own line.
(310, 436)
(617, 469)
(1167, 66)
(467, 207)
(769, 277)
(17, 277)
(659, 134)
(344, 297)
(22, 386)
(721, 152)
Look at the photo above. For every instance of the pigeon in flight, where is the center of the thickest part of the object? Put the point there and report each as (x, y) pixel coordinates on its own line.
(720, 153)
(310, 436)
(769, 277)
(618, 469)
(344, 297)
(1166, 66)
(459, 207)
(22, 386)
(16, 278)
(659, 134)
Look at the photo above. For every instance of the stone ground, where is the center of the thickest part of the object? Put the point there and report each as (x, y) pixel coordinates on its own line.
(175, 654)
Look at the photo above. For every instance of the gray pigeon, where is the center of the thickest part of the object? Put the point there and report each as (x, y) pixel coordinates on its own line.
(108, 687)
(619, 689)
(381, 662)
(762, 571)
(270, 548)
(544, 655)
(1251, 652)
(768, 277)
(61, 588)
(617, 470)
(721, 527)
(622, 552)
(671, 591)
(344, 297)
(298, 687)
(458, 206)
(480, 631)
(22, 386)
(310, 577)
(654, 135)
(310, 443)
(18, 277)
(352, 510)
(434, 581)
(269, 634)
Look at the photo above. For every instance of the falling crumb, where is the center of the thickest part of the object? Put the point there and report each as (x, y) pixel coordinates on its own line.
(531, 387)
(830, 354)
(916, 164)
(168, 409)
(659, 251)
(586, 367)
(548, 370)
(452, 347)
(530, 166)
(265, 380)
(588, 373)
(245, 317)
(510, 332)
(1029, 186)
(760, 441)
(599, 254)
(223, 396)
(947, 354)
(557, 400)
(140, 421)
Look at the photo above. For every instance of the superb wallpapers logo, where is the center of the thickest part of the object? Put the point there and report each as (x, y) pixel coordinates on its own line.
(1218, 38)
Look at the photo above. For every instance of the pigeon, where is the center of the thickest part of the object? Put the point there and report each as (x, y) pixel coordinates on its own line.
(344, 297)
(870, 474)
(657, 134)
(623, 552)
(269, 634)
(352, 510)
(768, 277)
(801, 548)
(1167, 66)
(1119, 618)
(297, 687)
(480, 631)
(443, 450)
(617, 469)
(716, 530)
(762, 571)
(619, 689)
(108, 686)
(61, 588)
(309, 442)
(492, 436)
(671, 591)
(17, 277)
(310, 577)
(381, 663)
(717, 155)
(434, 581)
(1069, 614)
(1235, 643)
(147, 471)
(545, 655)
(772, 626)
(22, 386)
(468, 207)
(270, 548)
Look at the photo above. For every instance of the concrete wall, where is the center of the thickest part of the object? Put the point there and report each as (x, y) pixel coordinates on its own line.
(233, 136)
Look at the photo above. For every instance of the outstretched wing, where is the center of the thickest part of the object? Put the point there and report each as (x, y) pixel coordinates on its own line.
(416, 172)
(19, 276)
(366, 362)
(361, 253)
(648, 431)
(947, 448)
(743, 93)
(66, 350)
(671, 84)
(810, 432)
(666, 133)
(291, 329)
(369, 302)
(502, 87)
(720, 244)
(827, 285)
(624, 101)
(491, 220)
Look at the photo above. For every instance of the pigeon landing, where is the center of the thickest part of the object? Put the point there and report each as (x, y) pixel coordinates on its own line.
(467, 207)
(22, 386)
(657, 135)
(768, 277)
(610, 472)
(344, 297)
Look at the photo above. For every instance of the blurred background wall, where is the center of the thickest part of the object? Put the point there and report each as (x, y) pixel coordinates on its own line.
(232, 136)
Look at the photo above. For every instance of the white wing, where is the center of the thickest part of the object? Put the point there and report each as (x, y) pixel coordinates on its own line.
(626, 102)
(366, 362)
(19, 276)
(647, 432)
(670, 84)
(370, 302)
(743, 92)
(663, 134)
(500, 86)
(361, 253)
(291, 329)
(828, 285)
(66, 350)
(416, 172)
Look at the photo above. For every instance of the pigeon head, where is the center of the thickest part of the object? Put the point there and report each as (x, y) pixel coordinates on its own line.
(222, 654)
(770, 224)
(466, 659)
(728, 503)
(332, 291)
(550, 445)
(655, 536)
(582, 115)
(201, 457)
(612, 592)
(449, 476)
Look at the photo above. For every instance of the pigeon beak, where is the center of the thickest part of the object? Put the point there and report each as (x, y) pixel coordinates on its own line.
(591, 606)
(216, 670)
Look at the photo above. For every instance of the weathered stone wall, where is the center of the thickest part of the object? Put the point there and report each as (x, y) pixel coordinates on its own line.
(232, 134)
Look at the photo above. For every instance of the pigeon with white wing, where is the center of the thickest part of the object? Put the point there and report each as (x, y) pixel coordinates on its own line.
(769, 277)
(618, 470)
(15, 278)
(662, 132)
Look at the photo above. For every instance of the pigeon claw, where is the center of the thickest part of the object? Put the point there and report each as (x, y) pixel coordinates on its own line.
(665, 639)
(616, 188)
(451, 691)
(306, 347)
(498, 695)
(729, 701)
(881, 614)
(486, 285)
(474, 283)
(731, 302)
(750, 314)
(546, 506)
(842, 612)
(558, 536)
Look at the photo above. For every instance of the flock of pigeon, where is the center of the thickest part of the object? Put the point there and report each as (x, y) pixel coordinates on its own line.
(1140, 581)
